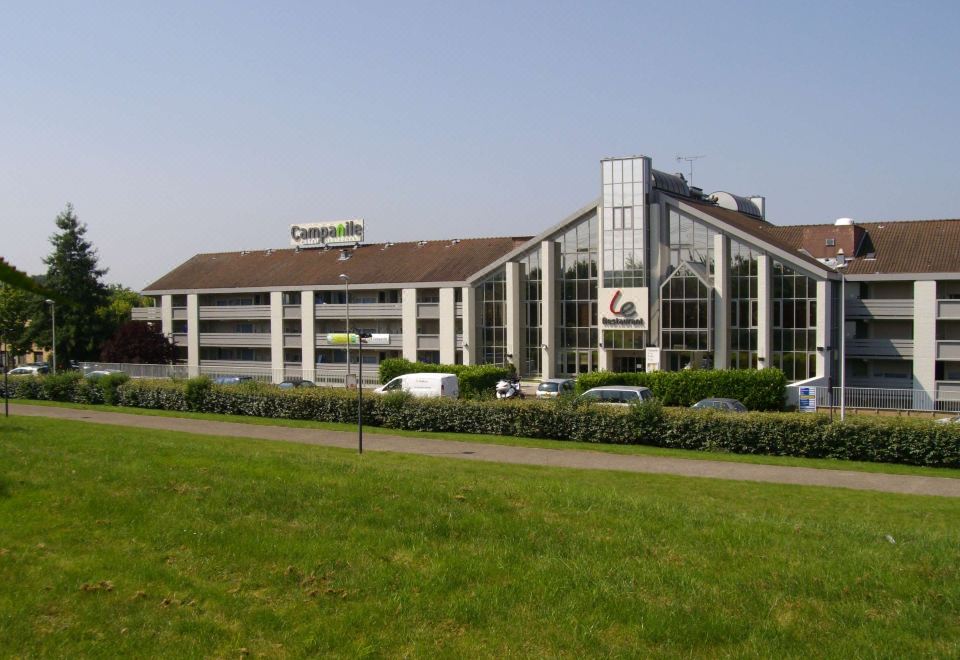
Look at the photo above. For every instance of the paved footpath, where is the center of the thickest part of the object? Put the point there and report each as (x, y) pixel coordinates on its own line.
(567, 458)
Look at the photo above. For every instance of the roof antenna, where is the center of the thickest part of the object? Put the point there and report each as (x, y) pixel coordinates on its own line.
(689, 160)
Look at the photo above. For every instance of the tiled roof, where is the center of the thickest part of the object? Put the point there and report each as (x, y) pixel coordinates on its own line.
(759, 229)
(897, 247)
(423, 262)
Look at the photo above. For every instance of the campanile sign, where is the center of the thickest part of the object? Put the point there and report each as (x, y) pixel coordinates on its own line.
(326, 234)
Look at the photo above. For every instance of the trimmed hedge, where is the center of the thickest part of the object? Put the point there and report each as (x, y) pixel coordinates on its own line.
(877, 439)
(476, 381)
(757, 389)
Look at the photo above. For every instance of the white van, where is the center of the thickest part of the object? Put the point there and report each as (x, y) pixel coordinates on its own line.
(428, 385)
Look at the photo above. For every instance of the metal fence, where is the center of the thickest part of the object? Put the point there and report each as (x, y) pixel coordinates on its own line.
(876, 398)
(323, 377)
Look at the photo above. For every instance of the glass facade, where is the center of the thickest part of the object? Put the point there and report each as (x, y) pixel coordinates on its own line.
(531, 297)
(624, 223)
(794, 322)
(686, 312)
(744, 311)
(690, 241)
(492, 319)
(577, 289)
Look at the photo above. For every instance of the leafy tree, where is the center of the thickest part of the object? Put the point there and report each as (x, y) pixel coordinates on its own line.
(16, 308)
(73, 273)
(120, 300)
(137, 342)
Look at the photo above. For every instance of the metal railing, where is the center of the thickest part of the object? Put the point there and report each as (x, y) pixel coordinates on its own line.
(875, 398)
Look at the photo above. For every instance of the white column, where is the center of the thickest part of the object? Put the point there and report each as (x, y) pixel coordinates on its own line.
(276, 335)
(409, 316)
(548, 309)
(924, 343)
(469, 325)
(193, 335)
(166, 315)
(764, 313)
(448, 326)
(824, 327)
(308, 335)
(721, 287)
(513, 314)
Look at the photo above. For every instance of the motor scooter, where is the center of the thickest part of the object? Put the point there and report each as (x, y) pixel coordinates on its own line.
(509, 389)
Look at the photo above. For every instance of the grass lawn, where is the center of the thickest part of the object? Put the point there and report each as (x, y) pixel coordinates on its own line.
(120, 541)
(638, 450)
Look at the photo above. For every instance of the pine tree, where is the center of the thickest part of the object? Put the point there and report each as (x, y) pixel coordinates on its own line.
(73, 272)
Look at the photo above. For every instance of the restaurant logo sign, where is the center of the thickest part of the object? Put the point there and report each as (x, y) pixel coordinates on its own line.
(624, 308)
(323, 234)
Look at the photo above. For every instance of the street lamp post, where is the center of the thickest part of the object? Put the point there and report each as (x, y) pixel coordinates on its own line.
(346, 286)
(841, 265)
(53, 322)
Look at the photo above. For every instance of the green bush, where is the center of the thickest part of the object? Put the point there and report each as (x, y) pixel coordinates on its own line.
(475, 381)
(196, 392)
(757, 389)
(60, 387)
(108, 386)
(878, 439)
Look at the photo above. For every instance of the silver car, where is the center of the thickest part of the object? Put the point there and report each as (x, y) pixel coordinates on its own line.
(724, 405)
(554, 387)
(621, 395)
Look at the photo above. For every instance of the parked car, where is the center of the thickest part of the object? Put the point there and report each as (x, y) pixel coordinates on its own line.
(554, 387)
(291, 383)
(100, 373)
(231, 380)
(622, 395)
(29, 370)
(426, 385)
(726, 405)
(949, 420)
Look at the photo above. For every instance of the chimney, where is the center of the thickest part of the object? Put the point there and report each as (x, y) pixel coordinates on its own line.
(827, 241)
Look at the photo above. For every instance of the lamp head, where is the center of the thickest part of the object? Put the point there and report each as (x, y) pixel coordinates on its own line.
(344, 277)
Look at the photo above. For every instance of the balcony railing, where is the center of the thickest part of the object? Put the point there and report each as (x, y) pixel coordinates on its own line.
(948, 309)
(146, 314)
(360, 311)
(235, 339)
(897, 348)
(948, 349)
(880, 308)
(428, 310)
(428, 342)
(234, 312)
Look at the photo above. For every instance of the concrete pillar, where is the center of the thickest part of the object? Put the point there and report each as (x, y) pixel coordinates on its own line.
(764, 313)
(276, 335)
(514, 346)
(548, 309)
(721, 307)
(166, 315)
(469, 325)
(308, 335)
(193, 335)
(924, 344)
(448, 326)
(409, 316)
(825, 291)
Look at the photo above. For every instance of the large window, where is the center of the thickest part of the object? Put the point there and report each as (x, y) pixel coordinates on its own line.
(492, 319)
(794, 323)
(743, 306)
(577, 288)
(690, 241)
(685, 312)
(531, 296)
(624, 230)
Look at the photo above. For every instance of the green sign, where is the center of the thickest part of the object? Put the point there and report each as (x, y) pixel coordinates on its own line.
(343, 338)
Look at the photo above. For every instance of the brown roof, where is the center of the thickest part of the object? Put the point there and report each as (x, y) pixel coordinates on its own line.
(900, 246)
(428, 261)
(759, 229)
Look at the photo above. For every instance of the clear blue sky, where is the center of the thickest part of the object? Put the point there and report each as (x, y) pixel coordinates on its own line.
(178, 128)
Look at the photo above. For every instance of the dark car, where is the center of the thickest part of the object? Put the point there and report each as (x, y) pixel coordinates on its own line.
(725, 405)
(291, 383)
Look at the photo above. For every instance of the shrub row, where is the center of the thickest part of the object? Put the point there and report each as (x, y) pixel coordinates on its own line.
(757, 389)
(912, 442)
(69, 386)
(476, 381)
